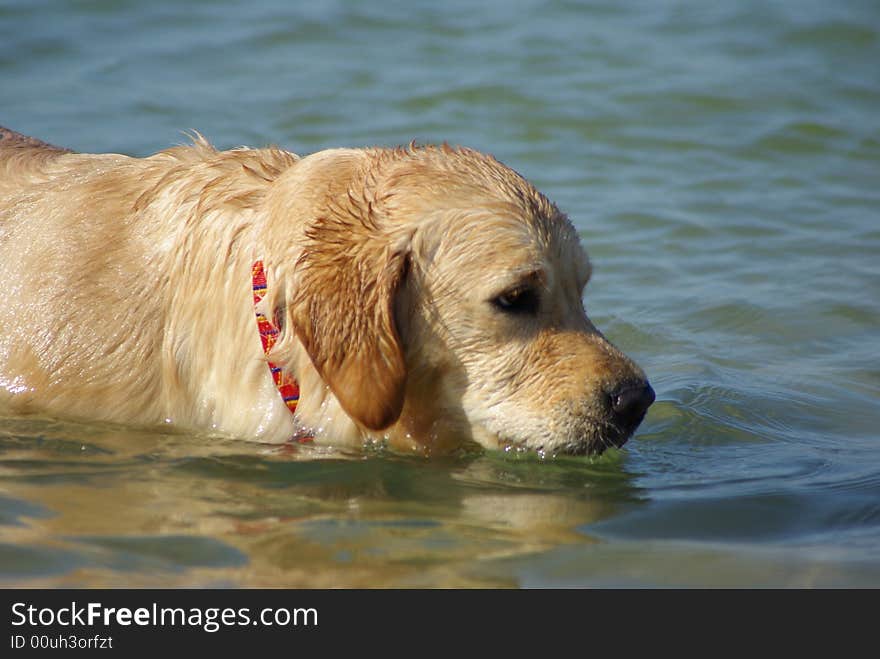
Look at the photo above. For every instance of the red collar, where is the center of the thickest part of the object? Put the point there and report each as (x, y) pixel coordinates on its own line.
(284, 381)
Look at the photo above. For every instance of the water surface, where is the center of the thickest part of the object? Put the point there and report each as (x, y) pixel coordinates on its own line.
(722, 164)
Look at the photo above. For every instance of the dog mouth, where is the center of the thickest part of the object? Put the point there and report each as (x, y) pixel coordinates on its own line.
(593, 442)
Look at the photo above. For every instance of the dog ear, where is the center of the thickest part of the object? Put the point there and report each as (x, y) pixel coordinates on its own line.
(342, 309)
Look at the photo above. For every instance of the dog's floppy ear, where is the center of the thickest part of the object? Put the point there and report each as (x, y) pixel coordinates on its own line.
(342, 309)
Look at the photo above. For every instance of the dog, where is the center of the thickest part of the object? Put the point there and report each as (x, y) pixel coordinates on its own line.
(424, 298)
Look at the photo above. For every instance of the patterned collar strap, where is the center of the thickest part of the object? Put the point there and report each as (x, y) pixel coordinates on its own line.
(284, 382)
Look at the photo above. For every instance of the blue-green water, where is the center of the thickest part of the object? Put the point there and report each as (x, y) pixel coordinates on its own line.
(722, 163)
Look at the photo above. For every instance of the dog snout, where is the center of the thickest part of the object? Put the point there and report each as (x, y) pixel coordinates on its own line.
(630, 402)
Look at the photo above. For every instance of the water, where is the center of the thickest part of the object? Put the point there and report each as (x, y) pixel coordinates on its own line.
(722, 163)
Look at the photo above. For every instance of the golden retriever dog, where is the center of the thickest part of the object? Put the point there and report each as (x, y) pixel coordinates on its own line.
(424, 298)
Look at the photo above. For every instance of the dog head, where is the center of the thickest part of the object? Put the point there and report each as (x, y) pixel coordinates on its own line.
(439, 296)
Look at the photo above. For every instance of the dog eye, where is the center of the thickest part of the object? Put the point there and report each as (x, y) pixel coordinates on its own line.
(519, 300)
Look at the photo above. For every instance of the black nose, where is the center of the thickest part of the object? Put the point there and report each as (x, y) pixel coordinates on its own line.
(630, 402)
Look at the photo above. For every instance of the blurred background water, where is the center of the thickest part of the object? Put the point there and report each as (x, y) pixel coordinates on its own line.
(722, 163)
